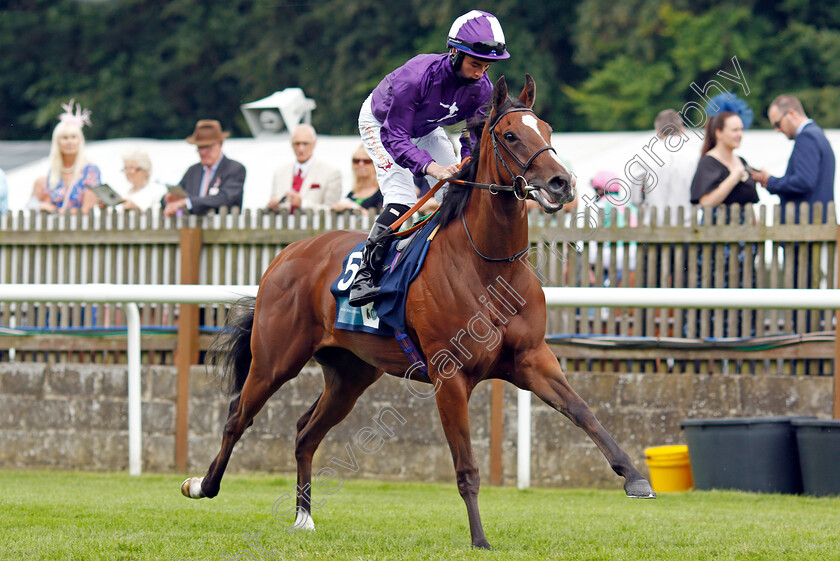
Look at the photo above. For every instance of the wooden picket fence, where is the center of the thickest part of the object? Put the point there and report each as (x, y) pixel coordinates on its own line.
(706, 249)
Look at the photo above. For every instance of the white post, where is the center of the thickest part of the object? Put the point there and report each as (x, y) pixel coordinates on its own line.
(523, 442)
(135, 419)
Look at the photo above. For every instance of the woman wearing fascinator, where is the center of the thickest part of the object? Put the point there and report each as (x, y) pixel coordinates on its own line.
(723, 177)
(63, 189)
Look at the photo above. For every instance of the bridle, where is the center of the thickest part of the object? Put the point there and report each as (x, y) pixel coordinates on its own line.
(520, 188)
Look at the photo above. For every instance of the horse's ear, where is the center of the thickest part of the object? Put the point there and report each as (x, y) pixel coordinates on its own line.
(500, 94)
(529, 92)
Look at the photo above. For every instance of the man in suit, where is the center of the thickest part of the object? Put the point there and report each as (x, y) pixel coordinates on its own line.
(308, 183)
(810, 172)
(215, 182)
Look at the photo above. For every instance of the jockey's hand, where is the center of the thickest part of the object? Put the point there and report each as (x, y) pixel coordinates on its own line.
(439, 172)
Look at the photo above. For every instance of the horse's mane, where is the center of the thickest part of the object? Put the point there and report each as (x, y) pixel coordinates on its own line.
(458, 197)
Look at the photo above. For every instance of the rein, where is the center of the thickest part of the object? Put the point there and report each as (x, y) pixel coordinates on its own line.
(510, 259)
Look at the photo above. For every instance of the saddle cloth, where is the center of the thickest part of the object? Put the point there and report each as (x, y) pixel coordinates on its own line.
(387, 312)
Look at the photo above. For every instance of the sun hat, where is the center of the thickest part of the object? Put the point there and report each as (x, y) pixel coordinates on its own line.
(604, 180)
(207, 132)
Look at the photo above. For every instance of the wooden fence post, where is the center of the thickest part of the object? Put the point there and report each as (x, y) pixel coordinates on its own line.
(186, 353)
(497, 401)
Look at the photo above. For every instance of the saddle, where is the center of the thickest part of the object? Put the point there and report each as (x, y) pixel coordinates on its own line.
(403, 263)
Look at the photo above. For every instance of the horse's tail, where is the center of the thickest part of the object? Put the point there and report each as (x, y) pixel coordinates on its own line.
(231, 349)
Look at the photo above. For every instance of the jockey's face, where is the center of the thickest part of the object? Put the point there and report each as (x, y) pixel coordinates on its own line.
(473, 68)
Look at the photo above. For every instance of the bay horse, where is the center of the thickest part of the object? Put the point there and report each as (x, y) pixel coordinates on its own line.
(482, 232)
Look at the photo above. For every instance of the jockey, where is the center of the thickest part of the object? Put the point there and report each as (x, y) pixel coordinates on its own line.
(401, 126)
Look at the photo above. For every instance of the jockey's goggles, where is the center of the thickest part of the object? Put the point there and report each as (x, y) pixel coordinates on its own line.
(485, 48)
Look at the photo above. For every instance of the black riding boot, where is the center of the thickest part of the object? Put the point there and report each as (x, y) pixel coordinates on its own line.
(366, 285)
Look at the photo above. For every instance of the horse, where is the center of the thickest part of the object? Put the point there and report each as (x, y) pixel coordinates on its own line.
(472, 261)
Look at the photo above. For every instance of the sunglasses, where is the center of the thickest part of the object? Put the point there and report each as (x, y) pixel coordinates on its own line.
(361, 161)
(779, 122)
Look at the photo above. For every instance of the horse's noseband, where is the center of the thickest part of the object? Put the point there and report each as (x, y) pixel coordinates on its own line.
(521, 187)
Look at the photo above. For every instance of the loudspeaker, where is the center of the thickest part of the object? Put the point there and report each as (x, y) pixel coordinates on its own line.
(281, 110)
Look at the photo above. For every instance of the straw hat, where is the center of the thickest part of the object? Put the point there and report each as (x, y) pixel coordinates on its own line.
(207, 132)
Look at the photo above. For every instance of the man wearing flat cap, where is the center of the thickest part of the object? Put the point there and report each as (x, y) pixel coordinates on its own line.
(215, 182)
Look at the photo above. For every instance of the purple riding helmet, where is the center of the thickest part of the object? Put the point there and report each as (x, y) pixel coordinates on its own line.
(478, 34)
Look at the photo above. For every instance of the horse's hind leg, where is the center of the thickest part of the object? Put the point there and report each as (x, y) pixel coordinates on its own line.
(271, 366)
(540, 373)
(346, 377)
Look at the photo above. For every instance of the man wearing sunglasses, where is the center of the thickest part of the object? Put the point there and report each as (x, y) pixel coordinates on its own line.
(810, 172)
(401, 126)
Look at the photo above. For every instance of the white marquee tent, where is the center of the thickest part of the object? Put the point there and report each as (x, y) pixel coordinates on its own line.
(587, 153)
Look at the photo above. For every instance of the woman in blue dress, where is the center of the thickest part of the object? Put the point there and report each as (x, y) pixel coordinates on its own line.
(65, 187)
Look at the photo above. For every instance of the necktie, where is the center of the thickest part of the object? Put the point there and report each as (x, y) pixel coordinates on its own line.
(205, 183)
(297, 181)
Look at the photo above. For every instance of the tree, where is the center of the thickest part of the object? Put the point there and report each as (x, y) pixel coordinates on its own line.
(661, 58)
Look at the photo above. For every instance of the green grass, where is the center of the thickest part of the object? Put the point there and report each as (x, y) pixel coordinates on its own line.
(92, 516)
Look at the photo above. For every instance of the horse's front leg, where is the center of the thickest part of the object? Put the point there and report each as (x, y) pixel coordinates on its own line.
(538, 371)
(452, 400)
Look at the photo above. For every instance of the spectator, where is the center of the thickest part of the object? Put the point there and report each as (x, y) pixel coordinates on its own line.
(142, 193)
(70, 174)
(215, 182)
(810, 171)
(673, 187)
(308, 183)
(365, 194)
(721, 176)
(402, 121)
(4, 194)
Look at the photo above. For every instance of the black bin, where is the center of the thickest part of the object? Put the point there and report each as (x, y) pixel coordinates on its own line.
(750, 454)
(819, 455)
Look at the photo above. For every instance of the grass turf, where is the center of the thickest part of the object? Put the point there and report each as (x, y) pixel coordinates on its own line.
(93, 516)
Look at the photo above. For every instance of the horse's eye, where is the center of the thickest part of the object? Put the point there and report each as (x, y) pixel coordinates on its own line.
(509, 136)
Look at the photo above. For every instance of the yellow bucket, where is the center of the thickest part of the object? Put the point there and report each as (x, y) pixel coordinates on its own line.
(670, 470)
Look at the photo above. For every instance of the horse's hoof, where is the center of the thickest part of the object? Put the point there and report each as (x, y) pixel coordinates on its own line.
(191, 488)
(639, 489)
(482, 544)
(304, 521)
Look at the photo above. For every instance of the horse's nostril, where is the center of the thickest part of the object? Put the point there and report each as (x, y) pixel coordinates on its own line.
(558, 184)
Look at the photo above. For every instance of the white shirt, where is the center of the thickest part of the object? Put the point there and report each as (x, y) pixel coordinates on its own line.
(303, 168)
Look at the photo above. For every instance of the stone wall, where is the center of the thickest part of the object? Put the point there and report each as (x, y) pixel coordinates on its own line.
(72, 416)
